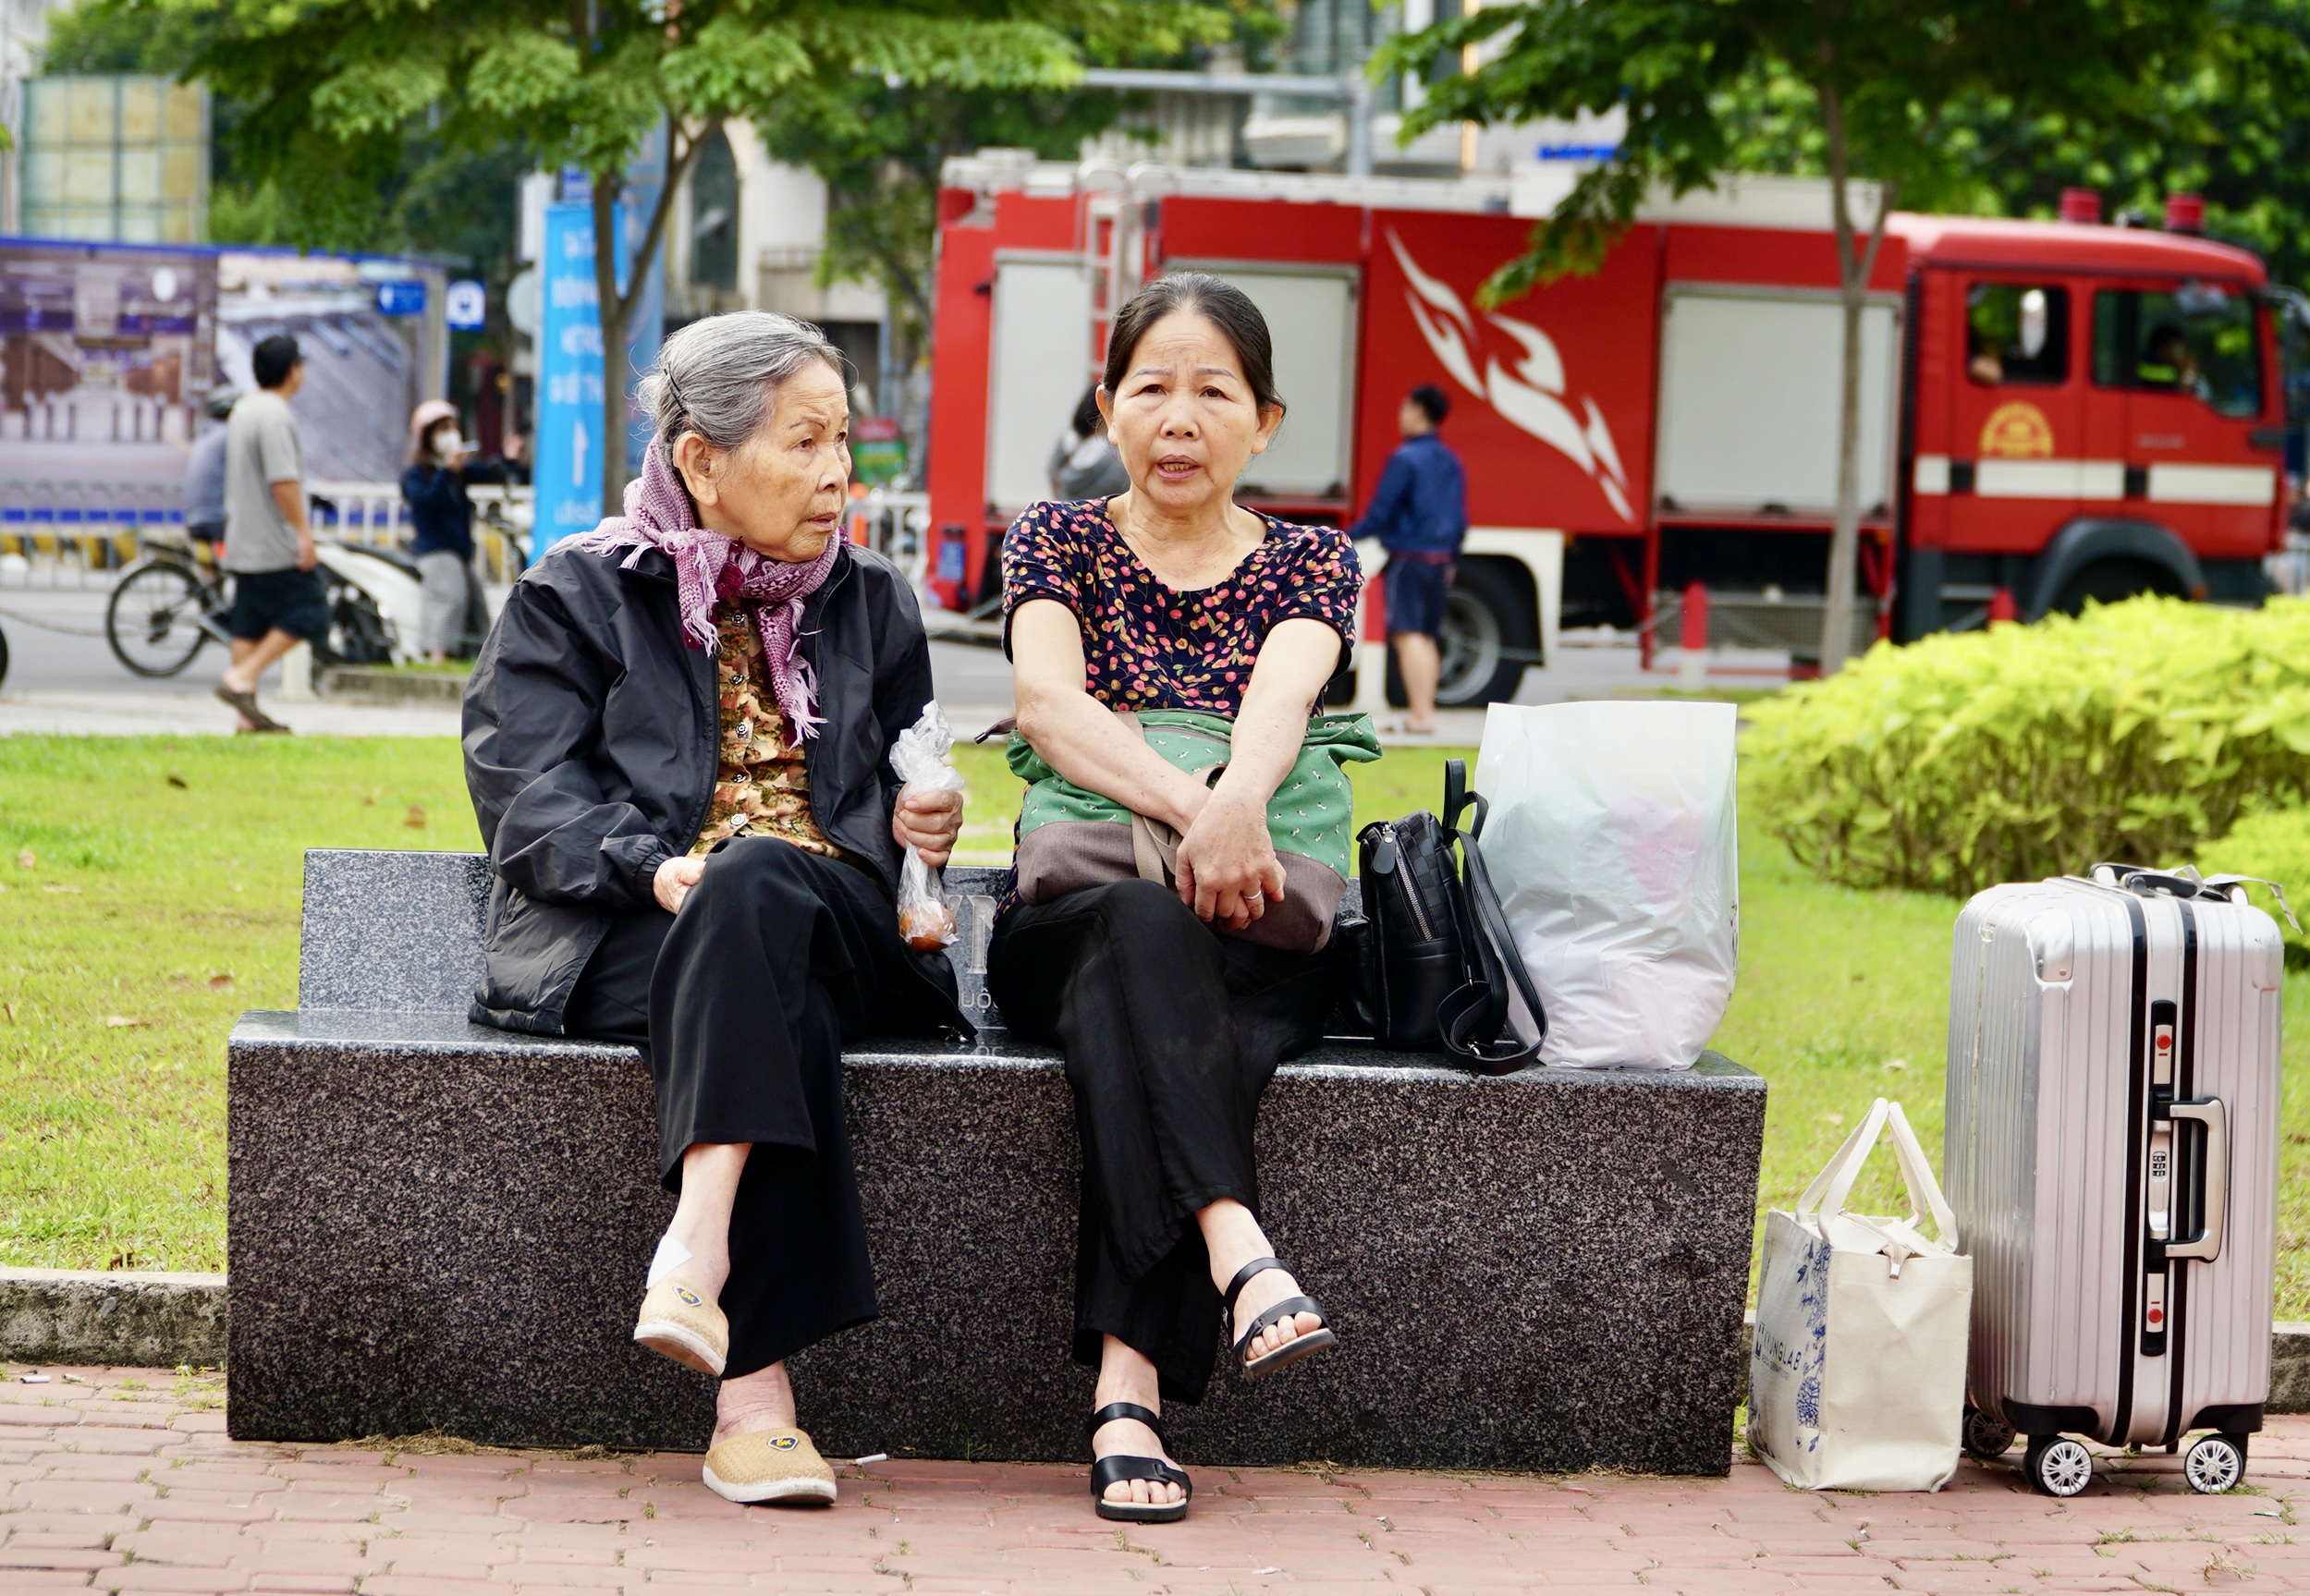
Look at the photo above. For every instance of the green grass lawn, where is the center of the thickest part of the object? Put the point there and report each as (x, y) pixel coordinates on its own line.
(151, 894)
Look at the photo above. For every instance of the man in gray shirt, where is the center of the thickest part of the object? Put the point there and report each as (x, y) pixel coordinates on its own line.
(279, 600)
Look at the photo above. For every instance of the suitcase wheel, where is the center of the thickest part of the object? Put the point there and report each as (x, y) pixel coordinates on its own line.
(2058, 1466)
(2215, 1463)
(1986, 1439)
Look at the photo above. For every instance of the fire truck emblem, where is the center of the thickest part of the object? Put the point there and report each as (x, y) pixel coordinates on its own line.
(2018, 431)
(1530, 395)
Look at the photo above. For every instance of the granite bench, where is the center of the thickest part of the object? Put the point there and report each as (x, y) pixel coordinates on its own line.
(436, 1226)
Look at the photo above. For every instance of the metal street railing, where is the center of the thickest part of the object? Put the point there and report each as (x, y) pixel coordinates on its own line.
(58, 532)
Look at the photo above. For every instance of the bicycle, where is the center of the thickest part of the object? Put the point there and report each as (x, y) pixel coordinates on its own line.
(173, 600)
(166, 607)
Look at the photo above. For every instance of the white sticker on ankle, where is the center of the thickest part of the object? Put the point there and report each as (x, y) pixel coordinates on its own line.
(671, 1255)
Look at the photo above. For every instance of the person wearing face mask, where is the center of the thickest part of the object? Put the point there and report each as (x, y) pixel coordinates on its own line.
(440, 470)
(677, 739)
(1171, 596)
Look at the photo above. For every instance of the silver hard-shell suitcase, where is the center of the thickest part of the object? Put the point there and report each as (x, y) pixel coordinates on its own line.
(2112, 1155)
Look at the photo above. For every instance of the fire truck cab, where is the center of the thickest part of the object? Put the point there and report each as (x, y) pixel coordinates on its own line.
(2050, 411)
(2095, 412)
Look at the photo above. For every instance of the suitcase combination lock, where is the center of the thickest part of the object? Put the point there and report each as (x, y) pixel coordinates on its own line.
(2162, 1205)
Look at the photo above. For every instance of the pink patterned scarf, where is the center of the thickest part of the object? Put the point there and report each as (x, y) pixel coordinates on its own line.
(707, 566)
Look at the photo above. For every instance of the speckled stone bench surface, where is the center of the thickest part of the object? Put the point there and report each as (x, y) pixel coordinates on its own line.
(401, 933)
(441, 1226)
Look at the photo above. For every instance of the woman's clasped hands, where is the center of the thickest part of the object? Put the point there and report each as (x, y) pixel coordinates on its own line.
(1228, 869)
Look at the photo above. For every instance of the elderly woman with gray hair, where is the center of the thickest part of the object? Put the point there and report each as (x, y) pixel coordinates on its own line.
(677, 740)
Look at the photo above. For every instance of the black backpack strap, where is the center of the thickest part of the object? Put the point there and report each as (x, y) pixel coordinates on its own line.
(1478, 1009)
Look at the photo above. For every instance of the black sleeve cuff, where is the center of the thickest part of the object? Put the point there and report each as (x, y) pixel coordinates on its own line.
(642, 869)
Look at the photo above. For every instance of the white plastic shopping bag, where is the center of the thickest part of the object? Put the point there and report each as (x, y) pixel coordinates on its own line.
(1857, 1374)
(1612, 840)
(923, 758)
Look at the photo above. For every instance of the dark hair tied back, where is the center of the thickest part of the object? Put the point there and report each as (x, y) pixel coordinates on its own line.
(1221, 303)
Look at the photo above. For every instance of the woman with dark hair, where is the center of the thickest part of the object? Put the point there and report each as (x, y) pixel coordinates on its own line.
(677, 739)
(1083, 462)
(1172, 596)
(440, 470)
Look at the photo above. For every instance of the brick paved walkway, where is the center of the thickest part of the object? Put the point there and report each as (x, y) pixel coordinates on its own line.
(122, 1480)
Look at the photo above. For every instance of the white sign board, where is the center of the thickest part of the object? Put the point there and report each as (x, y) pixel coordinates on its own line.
(1310, 318)
(1749, 402)
(1042, 363)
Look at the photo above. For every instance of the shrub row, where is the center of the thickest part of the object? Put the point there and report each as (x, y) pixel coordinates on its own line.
(2275, 846)
(2136, 732)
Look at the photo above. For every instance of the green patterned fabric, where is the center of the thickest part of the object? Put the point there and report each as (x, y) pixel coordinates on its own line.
(1309, 814)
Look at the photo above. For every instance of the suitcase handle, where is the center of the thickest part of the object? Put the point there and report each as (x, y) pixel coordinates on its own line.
(2212, 1180)
(2184, 882)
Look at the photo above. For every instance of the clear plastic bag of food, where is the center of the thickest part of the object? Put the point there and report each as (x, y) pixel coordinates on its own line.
(921, 758)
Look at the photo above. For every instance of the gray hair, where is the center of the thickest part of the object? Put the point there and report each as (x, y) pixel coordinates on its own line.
(716, 377)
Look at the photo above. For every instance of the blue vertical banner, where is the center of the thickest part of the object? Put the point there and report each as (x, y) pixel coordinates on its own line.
(570, 369)
(567, 470)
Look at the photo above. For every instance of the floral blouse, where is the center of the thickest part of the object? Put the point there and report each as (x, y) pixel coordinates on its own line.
(761, 788)
(1146, 646)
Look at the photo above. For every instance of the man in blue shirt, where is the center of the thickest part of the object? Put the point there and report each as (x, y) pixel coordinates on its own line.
(1420, 514)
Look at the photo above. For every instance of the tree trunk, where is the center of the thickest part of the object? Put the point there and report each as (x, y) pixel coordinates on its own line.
(613, 314)
(1844, 543)
(1855, 260)
(617, 308)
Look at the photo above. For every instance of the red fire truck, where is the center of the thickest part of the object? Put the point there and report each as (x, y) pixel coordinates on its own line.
(2050, 410)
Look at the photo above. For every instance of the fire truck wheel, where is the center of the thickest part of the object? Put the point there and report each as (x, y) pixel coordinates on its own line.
(1489, 636)
(2107, 581)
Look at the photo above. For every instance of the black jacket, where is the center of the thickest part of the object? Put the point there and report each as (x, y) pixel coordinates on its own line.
(590, 737)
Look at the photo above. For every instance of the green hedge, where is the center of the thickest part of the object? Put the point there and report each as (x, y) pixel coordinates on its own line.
(2275, 846)
(2136, 732)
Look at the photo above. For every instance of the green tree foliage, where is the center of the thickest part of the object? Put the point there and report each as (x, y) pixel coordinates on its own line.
(333, 87)
(2271, 845)
(2138, 732)
(880, 148)
(2228, 128)
(1878, 76)
(415, 193)
(880, 145)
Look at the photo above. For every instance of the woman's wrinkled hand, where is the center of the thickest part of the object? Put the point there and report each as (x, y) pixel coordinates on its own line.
(928, 821)
(1228, 869)
(674, 880)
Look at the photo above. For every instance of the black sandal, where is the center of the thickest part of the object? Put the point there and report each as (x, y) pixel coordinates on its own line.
(1292, 1351)
(1107, 1471)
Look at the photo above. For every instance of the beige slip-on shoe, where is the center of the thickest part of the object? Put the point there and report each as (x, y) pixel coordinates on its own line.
(683, 1325)
(770, 1466)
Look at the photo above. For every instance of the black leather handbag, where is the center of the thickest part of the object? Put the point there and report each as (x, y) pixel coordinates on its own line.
(1431, 966)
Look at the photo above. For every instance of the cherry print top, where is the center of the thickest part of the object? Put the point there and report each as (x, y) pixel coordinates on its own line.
(1146, 646)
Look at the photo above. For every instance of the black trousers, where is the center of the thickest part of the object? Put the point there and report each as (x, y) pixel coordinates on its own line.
(1171, 1032)
(741, 1004)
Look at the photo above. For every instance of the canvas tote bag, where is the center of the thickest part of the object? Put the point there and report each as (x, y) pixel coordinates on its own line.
(1857, 1374)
